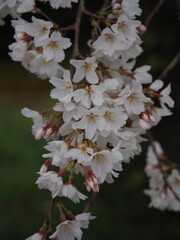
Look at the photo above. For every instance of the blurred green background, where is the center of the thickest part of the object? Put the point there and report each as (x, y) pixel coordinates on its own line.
(121, 208)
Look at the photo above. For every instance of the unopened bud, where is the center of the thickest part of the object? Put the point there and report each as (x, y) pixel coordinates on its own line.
(144, 124)
(43, 168)
(20, 36)
(49, 132)
(145, 117)
(40, 133)
(142, 28)
(152, 118)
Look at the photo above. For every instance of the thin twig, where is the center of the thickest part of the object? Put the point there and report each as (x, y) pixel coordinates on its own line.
(154, 12)
(68, 28)
(151, 141)
(94, 15)
(90, 202)
(50, 215)
(48, 221)
(171, 65)
(38, 10)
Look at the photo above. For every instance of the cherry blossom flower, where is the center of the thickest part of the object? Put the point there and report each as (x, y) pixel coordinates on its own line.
(89, 95)
(64, 88)
(60, 3)
(53, 47)
(81, 154)
(109, 42)
(37, 119)
(39, 29)
(69, 230)
(71, 192)
(51, 181)
(57, 151)
(36, 236)
(102, 163)
(85, 68)
(91, 121)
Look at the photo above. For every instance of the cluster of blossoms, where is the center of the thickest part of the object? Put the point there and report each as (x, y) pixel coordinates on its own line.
(104, 106)
(164, 180)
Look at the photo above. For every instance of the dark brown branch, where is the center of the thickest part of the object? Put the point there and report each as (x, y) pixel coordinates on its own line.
(151, 141)
(94, 15)
(77, 29)
(171, 65)
(68, 28)
(48, 221)
(38, 10)
(154, 12)
(50, 215)
(90, 202)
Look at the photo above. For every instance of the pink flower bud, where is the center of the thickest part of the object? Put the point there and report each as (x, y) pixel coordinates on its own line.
(49, 132)
(152, 118)
(142, 28)
(96, 188)
(95, 180)
(91, 184)
(88, 188)
(20, 36)
(144, 124)
(40, 132)
(145, 117)
(43, 168)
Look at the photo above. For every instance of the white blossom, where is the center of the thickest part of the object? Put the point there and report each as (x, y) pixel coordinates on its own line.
(53, 47)
(71, 192)
(64, 88)
(68, 230)
(81, 154)
(39, 29)
(26, 6)
(126, 28)
(35, 236)
(102, 163)
(89, 95)
(85, 68)
(51, 181)
(109, 42)
(91, 121)
(135, 101)
(37, 120)
(57, 151)
(60, 3)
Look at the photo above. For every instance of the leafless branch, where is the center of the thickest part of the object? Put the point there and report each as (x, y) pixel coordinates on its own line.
(171, 65)
(48, 220)
(94, 15)
(154, 12)
(77, 29)
(90, 202)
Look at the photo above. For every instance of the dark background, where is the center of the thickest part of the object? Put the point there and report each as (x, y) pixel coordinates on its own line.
(121, 208)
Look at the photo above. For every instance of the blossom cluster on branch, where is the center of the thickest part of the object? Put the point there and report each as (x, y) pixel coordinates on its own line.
(105, 104)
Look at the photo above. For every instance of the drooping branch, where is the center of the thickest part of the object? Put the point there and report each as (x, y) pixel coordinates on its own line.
(90, 202)
(154, 12)
(170, 67)
(48, 220)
